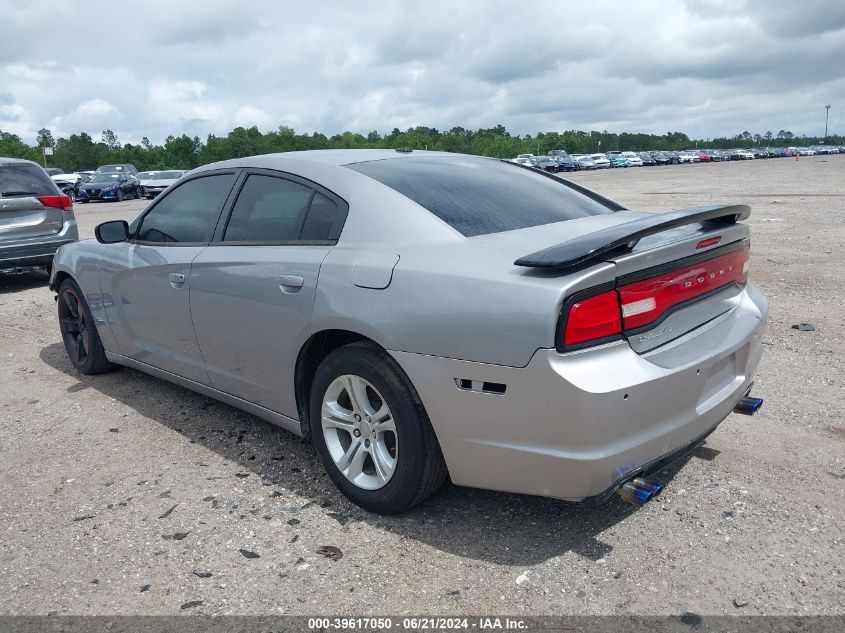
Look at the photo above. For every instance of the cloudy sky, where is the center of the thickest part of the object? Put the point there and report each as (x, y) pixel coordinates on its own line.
(159, 67)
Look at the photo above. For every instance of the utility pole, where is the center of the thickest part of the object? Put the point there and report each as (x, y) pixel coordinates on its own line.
(826, 116)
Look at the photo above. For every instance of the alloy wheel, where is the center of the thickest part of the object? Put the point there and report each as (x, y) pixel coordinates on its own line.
(360, 432)
(75, 328)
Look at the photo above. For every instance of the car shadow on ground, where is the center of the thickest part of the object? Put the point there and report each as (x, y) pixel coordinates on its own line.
(18, 282)
(506, 529)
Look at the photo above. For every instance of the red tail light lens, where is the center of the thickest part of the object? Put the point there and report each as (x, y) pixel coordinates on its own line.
(636, 305)
(594, 318)
(57, 202)
(646, 301)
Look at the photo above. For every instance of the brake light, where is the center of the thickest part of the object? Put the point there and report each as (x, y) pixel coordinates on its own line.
(594, 318)
(646, 301)
(609, 314)
(710, 241)
(57, 202)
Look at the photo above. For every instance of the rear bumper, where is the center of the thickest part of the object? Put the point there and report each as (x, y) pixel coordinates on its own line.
(36, 251)
(571, 426)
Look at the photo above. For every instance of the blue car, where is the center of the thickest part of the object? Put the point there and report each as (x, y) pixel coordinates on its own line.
(110, 186)
(617, 160)
(565, 162)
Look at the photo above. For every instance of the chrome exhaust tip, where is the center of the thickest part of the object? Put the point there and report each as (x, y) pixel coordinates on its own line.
(638, 491)
(748, 405)
(654, 488)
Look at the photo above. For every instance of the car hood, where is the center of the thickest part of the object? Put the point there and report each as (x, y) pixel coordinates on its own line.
(158, 183)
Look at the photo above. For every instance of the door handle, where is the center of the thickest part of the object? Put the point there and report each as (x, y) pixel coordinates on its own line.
(290, 283)
(177, 279)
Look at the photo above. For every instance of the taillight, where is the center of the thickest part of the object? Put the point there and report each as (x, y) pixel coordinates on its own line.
(646, 301)
(593, 318)
(609, 314)
(57, 202)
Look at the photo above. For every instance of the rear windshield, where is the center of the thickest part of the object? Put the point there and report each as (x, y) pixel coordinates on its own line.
(24, 179)
(477, 196)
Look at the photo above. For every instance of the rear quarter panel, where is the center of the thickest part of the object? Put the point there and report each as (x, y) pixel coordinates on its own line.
(455, 301)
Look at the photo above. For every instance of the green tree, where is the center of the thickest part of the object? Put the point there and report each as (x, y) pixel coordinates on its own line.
(110, 140)
(44, 138)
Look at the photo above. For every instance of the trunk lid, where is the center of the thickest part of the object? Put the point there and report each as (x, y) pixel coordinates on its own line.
(695, 256)
(26, 217)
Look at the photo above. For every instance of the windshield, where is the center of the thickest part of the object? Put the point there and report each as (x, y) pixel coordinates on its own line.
(168, 175)
(145, 175)
(477, 196)
(105, 178)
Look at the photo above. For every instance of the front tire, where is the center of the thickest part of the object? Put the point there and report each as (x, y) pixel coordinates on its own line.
(120, 196)
(79, 333)
(372, 432)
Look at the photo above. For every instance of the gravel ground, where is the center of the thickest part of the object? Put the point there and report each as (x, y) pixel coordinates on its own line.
(122, 494)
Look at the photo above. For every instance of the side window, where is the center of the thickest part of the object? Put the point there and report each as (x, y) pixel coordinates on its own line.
(268, 209)
(321, 220)
(188, 213)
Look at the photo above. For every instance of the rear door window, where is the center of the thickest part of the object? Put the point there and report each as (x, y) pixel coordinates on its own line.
(24, 179)
(268, 209)
(477, 196)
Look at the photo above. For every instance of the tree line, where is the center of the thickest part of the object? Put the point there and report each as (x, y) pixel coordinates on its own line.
(81, 152)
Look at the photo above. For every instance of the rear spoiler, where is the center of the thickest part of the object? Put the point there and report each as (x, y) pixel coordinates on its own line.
(625, 236)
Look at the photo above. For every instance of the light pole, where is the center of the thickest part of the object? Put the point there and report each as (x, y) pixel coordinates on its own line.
(826, 116)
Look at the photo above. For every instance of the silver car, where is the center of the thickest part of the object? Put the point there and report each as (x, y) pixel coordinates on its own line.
(35, 217)
(158, 181)
(423, 314)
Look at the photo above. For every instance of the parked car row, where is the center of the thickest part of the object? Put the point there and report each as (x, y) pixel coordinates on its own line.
(558, 160)
(113, 182)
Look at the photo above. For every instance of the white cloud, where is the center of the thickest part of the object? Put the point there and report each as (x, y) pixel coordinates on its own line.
(706, 67)
(93, 115)
(248, 116)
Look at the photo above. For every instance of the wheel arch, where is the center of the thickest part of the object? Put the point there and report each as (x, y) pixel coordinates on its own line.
(58, 279)
(318, 346)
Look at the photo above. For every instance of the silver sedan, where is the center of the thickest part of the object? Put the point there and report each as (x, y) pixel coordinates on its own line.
(422, 315)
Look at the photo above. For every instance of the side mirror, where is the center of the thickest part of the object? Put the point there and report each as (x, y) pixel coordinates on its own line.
(112, 232)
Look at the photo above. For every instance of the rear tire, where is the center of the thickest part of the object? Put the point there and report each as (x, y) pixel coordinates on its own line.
(417, 468)
(79, 333)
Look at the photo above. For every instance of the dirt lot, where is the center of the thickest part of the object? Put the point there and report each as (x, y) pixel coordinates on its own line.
(123, 494)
